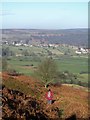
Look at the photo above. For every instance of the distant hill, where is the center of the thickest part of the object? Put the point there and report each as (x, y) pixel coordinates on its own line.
(78, 37)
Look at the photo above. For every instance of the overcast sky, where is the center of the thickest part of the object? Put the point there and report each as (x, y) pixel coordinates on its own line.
(44, 15)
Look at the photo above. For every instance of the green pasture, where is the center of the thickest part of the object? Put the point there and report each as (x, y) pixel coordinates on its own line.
(74, 64)
(70, 64)
(22, 64)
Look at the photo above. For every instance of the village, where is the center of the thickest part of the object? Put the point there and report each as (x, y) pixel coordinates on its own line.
(78, 49)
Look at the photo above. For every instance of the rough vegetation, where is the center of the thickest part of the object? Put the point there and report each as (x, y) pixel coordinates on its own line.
(17, 106)
(68, 102)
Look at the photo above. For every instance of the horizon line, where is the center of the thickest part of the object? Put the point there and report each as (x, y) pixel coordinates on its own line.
(43, 28)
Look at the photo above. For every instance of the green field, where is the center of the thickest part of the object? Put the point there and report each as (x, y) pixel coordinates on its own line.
(66, 62)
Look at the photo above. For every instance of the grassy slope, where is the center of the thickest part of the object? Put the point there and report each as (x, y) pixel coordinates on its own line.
(65, 62)
(70, 99)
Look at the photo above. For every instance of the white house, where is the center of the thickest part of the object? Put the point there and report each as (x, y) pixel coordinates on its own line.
(78, 52)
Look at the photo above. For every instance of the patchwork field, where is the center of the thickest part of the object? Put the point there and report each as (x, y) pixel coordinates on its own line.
(27, 64)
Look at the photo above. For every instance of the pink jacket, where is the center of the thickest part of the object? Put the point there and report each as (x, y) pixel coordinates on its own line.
(50, 96)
